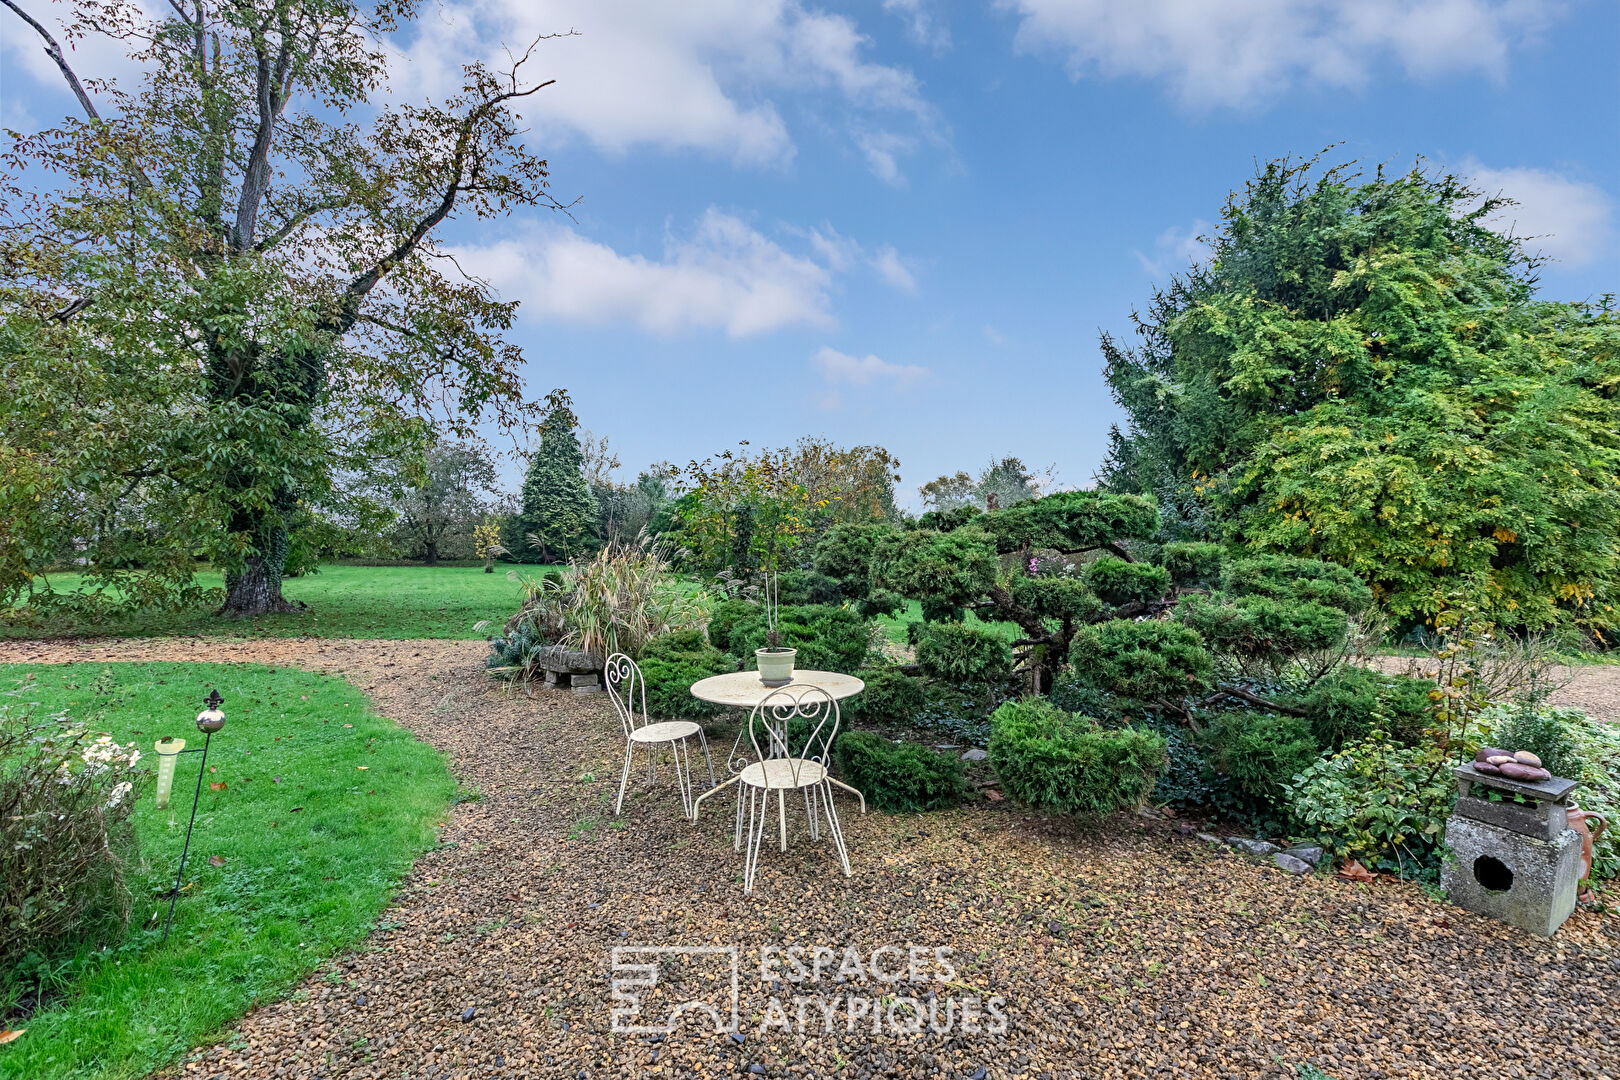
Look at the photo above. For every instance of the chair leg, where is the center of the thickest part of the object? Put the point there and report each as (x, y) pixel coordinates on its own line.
(706, 758)
(837, 831)
(624, 778)
(781, 814)
(683, 774)
(810, 797)
(737, 833)
(757, 834)
(652, 767)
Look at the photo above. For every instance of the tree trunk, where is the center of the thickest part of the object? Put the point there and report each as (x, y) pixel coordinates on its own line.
(255, 588)
(432, 551)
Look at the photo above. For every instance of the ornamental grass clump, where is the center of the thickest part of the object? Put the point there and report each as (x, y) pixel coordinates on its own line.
(615, 601)
(1068, 764)
(66, 795)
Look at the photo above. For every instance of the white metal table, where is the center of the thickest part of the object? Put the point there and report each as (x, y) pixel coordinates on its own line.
(743, 690)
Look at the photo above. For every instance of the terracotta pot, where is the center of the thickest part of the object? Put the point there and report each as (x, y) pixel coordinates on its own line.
(1580, 820)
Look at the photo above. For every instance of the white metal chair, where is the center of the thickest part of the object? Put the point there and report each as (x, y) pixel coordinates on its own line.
(797, 726)
(628, 689)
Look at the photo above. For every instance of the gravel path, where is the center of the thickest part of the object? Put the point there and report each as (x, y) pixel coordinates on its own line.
(1132, 951)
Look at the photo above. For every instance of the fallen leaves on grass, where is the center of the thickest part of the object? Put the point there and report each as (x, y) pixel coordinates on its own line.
(216, 860)
(11, 1035)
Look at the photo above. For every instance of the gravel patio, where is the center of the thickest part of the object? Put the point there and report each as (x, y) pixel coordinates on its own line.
(1131, 951)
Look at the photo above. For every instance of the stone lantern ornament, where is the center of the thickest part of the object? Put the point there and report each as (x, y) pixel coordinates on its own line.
(1514, 855)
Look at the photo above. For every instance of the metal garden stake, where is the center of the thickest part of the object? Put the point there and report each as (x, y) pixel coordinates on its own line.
(169, 748)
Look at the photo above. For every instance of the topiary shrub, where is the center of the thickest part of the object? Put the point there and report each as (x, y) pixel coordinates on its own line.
(1117, 582)
(799, 587)
(1193, 565)
(727, 614)
(1262, 752)
(1056, 597)
(1343, 705)
(889, 695)
(944, 571)
(671, 664)
(828, 638)
(957, 653)
(1057, 761)
(1348, 704)
(1262, 627)
(899, 777)
(1148, 661)
(1284, 577)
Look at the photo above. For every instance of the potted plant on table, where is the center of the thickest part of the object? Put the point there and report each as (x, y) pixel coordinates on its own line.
(775, 662)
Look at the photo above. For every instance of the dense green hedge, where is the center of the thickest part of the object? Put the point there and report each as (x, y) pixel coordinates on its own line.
(1057, 761)
(828, 638)
(899, 777)
(889, 696)
(671, 664)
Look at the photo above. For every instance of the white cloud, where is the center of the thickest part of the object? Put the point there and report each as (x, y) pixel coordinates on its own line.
(1241, 52)
(883, 150)
(95, 56)
(1175, 249)
(994, 336)
(842, 254)
(925, 29)
(892, 269)
(724, 275)
(1563, 219)
(840, 370)
(701, 75)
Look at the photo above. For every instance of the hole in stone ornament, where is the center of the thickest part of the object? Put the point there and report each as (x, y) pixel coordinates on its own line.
(1493, 874)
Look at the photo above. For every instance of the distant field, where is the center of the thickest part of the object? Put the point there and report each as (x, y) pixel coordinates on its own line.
(344, 601)
(895, 625)
(396, 602)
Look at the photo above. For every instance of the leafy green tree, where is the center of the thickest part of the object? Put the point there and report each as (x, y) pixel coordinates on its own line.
(455, 492)
(1362, 373)
(1001, 483)
(222, 287)
(557, 518)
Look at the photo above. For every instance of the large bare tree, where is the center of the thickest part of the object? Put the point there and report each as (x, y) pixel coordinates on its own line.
(226, 283)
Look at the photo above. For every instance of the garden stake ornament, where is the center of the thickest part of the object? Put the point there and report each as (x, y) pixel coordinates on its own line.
(169, 748)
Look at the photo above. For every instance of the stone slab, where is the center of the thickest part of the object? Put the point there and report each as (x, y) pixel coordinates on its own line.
(1555, 790)
(1543, 820)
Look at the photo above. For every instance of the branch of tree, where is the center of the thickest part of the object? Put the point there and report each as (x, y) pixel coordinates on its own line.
(54, 51)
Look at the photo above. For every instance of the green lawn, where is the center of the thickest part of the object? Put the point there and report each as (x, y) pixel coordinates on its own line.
(325, 805)
(895, 625)
(344, 601)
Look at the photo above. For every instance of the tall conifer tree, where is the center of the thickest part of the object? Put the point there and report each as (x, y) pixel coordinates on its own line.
(558, 514)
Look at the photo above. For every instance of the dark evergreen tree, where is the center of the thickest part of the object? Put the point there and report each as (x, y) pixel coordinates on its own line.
(558, 513)
(1362, 373)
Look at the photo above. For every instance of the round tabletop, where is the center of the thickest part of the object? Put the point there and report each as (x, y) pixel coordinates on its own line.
(744, 690)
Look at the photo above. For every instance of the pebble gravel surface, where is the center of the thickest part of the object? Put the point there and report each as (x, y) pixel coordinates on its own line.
(1128, 951)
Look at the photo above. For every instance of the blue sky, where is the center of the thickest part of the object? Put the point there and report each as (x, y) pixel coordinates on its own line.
(905, 223)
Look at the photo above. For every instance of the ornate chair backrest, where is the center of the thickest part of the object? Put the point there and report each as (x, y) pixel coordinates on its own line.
(628, 689)
(798, 723)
